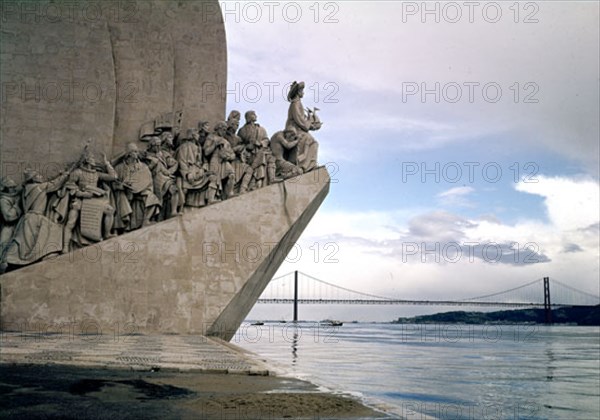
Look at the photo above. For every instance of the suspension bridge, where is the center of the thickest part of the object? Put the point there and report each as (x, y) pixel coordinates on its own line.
(300, 288)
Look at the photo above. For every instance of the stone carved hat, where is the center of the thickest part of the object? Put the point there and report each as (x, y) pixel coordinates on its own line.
(248, 114)
(294, 89)
(155, 141)
(6, 182)
(29, 174)
(221, 125)
(234, 116)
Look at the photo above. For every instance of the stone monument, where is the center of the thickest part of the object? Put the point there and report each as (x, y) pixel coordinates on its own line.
(182, 228)
(93, 69)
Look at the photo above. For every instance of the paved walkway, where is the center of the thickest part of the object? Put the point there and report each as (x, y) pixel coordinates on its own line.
(185, 353)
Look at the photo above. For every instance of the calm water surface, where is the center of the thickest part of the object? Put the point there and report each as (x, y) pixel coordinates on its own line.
(445, 371)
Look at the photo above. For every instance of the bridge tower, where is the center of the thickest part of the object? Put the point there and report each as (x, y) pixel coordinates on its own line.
(547, 307)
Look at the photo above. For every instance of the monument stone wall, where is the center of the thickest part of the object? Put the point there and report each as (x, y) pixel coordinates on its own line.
(71, 71)
(94, 73)
(199, 273)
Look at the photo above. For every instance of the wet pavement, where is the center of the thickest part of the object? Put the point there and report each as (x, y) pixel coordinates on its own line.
(180, 353)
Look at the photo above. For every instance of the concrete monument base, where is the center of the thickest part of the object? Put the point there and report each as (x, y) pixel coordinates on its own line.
(199, 273)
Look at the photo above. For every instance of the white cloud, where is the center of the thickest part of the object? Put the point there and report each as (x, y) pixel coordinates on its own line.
(366, 253)
(369, 54)
(571, 203)
(456, 196)
(457, 192)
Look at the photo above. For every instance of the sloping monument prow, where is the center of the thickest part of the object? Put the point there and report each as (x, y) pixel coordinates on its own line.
(199, 273)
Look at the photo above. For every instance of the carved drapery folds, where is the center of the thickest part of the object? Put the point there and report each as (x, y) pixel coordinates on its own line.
(95, 199)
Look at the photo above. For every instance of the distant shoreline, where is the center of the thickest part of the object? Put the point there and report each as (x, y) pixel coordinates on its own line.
(565, 316)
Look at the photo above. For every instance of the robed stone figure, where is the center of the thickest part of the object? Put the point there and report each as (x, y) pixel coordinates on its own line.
(36, 235)
(135, 200)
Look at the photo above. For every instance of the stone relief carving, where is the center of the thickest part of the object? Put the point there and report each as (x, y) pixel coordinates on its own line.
(89, 202)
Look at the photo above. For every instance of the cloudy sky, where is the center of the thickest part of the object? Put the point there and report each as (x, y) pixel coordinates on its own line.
(471, 129)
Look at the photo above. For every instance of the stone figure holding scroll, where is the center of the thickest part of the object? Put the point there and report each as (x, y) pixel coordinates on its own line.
(135, 200)
(305, 155)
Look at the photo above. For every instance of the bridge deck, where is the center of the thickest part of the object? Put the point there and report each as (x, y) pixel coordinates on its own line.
(410, 302)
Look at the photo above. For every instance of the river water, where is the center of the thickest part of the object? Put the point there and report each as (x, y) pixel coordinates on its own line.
(444, 371)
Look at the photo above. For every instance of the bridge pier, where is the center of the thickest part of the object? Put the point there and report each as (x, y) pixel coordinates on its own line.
(547, 305)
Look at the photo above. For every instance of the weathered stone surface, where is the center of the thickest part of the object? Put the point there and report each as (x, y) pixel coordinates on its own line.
(197, 273)
(99, 69)
(115, 349)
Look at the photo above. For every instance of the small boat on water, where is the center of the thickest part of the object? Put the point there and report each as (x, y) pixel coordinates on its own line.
(331, 323)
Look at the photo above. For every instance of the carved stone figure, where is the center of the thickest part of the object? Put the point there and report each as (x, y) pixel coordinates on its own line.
(203, 167)
(282, 144)
(230, 134)
(163, 167)
(89, 204)
(252, 132)
(254, 136)
(168, 147)
(10, 209)
(234, 119)
(243, 172)
(195, 179)
(263, 164)
(35, 235)
(203, 132)
(220, 154)
(135, 200)
(307, 150)
(166, 143)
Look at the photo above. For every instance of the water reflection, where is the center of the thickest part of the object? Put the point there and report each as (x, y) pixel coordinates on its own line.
(514, 371)
(550, 365)
(295, 349)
